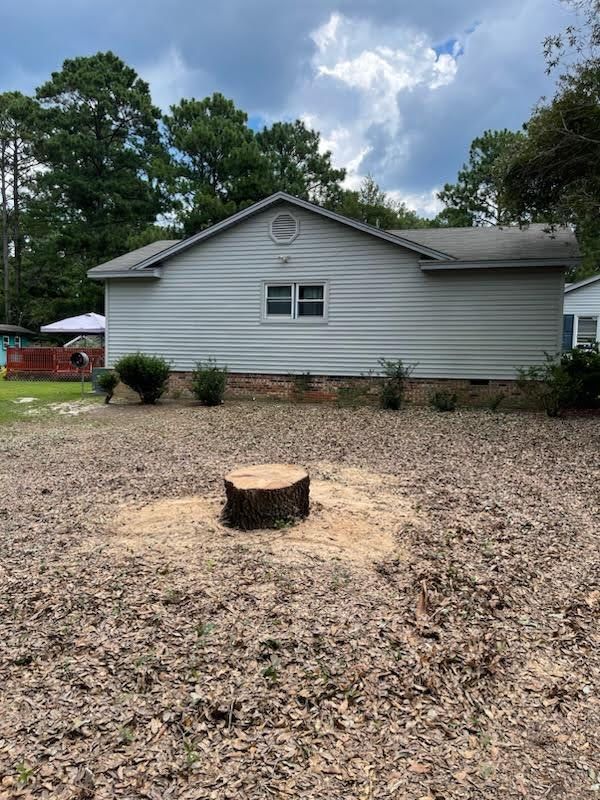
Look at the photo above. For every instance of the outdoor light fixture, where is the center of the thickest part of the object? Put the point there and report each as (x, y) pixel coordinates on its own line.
(283, 259)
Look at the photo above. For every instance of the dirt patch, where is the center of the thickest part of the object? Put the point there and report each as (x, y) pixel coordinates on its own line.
(353, 517)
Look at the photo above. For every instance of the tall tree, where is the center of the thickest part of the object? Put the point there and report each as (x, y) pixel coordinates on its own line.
(372, 205)
(17, 126)
(555, 172)
(297, 164)
(578, 43)
(101, 153)
(476, 197)
(217, 166)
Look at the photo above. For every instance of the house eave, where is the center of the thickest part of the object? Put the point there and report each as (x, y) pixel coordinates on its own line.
(124, 273)
(521, 263)
(585, 282)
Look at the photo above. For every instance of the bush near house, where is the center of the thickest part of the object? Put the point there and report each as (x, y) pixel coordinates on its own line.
(145, 375)
(570, 380)
(108, 382)
(209, 382)
(394, 375)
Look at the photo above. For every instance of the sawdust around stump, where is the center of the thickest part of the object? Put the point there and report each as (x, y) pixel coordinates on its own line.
(355, 517)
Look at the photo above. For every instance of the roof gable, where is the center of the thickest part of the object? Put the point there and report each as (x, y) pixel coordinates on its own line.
(138, 261)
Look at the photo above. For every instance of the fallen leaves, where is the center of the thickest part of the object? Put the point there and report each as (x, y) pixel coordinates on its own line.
(462, 664)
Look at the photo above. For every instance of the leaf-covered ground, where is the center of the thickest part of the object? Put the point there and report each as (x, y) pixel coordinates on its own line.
(458, 659)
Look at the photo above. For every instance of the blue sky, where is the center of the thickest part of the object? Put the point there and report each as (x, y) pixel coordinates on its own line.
(398, 88)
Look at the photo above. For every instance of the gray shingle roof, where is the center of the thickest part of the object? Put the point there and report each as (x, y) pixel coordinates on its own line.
(129, 260)
(497, 244)
(6, 328)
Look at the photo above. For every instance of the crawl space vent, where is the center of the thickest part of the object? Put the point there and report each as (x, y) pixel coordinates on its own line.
(284, 228)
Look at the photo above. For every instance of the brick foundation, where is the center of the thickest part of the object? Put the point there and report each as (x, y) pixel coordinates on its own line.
(323, 388)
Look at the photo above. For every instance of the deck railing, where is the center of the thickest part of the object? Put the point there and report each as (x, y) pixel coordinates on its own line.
(49, 362)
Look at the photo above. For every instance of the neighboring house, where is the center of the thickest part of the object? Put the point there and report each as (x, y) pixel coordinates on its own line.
(581, 310)
(288, 287)
(13, 336)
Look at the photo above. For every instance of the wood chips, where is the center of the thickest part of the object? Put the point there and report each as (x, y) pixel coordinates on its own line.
(459, 660)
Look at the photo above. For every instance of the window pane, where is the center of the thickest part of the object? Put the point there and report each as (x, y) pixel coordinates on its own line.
(279, 308)
(279, 292)
(310, 309)
(310, 292)
(586, 330)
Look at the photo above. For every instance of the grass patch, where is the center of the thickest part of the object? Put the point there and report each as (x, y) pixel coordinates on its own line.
(13, 406)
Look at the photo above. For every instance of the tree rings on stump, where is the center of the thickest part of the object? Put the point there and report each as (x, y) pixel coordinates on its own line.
(265, 496)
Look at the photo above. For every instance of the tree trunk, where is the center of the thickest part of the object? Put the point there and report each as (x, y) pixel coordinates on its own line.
(18, 243)
(266, 496)
(5, 235)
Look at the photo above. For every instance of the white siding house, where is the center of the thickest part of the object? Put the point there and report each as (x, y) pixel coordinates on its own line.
(286, 287)
(582, 313)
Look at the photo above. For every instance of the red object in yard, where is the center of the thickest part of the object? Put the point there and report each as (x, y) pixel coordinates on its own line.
(50, 361)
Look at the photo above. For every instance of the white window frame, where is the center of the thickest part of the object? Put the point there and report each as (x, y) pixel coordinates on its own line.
(293, 317)
(5, 342)
(576, 328)
(17, 341)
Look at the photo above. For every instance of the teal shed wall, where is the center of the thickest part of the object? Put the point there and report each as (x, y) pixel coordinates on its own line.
(11, 343)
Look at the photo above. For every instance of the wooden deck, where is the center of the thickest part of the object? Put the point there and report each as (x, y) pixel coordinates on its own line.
(49, 362)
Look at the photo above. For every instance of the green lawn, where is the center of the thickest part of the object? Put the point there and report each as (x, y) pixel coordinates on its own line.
(16, 405)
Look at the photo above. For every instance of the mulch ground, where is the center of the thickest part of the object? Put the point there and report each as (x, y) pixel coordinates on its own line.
(462, 661)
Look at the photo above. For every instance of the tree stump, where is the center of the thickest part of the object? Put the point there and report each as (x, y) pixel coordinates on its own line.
(265, 496)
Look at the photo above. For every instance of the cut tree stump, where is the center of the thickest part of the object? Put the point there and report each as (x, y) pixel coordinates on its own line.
(265, 496)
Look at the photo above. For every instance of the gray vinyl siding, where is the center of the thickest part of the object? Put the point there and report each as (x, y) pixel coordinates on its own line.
(208, 302)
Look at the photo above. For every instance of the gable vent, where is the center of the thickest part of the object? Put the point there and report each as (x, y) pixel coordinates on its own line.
(284, 228)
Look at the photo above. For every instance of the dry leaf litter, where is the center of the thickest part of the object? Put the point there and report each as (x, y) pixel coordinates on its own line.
(431, 631)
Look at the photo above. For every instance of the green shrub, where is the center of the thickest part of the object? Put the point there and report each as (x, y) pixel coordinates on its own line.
(394, 374)
(569, 380)
(108, 382)
(548, 385)
(583, 370)
(302, 382)
(443, 401)
(209, 382)
(146, 375)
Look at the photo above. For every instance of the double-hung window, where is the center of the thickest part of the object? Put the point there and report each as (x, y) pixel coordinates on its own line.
(5, 342)
(295, 301)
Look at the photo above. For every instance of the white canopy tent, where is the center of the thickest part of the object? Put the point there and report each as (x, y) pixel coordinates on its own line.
(84, 323)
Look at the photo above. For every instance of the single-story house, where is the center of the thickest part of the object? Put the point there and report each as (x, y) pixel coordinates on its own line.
(581, 326)
(287, 287)
(13, 336)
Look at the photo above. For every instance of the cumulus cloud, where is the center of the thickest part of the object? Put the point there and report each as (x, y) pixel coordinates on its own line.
(359, 71)
(171, 78)
(392, 101)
